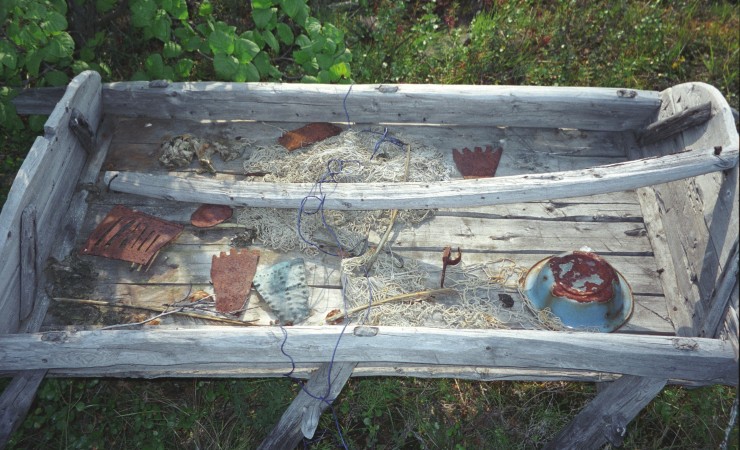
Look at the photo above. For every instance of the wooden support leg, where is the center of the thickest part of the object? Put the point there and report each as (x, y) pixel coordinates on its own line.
(605, 419)
(302, 416)
(16, 401)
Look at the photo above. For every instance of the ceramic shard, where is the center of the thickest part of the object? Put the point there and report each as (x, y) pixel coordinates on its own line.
(283, 287)
(308, 134)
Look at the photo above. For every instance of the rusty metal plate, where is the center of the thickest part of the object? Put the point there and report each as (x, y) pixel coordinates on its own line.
(131, 236)
(583, 277)
(478, 163)
(207, 216)
(308, 134)
(232, 276)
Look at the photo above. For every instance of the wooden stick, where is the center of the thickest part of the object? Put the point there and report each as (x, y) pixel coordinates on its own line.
(396, 298)
(85, 301)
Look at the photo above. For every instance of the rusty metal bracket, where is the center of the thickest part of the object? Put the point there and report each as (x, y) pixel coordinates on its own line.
(82, 130)
(447, 260)
(477, 163)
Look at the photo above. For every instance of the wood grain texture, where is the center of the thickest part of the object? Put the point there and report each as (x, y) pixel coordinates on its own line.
(302, 416)
(442, 194)
(16, 401)
(650, 356)
(47, 178)
(604, 420)
(662, 129)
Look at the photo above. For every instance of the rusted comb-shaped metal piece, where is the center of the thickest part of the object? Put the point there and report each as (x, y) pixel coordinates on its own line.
(232, 276)
(131, 236)
(477, 163)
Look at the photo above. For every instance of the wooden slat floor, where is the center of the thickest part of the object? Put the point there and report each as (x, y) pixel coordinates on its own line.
(611, 225)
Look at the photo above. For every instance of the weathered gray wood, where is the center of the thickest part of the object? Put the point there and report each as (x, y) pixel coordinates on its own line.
(443, 194)
(29, 263)
(16, 401)
(605, 418)
(722, 296)
(651, 356)
(302, 416)
(559, 107)
(37, 100)
(657, 131)
(46, 178)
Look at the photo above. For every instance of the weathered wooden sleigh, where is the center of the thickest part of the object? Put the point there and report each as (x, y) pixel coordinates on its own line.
(648, 180)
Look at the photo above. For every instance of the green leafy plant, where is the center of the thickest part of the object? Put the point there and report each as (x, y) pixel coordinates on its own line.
(284, 41)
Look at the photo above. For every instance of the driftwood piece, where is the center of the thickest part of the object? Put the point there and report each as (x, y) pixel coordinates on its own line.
(302, 416)
(606, 417)
(442, 194)
(662, 129)
(692, 359)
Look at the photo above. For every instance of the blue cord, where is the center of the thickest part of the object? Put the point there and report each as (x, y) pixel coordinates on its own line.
(344, 105)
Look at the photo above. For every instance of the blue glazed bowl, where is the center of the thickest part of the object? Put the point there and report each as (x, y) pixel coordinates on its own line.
(582, 290)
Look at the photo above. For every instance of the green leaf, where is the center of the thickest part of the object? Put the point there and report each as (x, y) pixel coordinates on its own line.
(205, 9)
(142, 12)
(56, 78)
(8, 55)
(171, 50)
(270, 40)
(325, 61)
(87, 54)
(313, 26)
(309, 79)
(36, 122)
(302, 56)
(139, 76)
(254, 37)
(32, 61)
(103, 6)
(225, 66)
(252, 74)
(54, 22)
(340, 70)
(262, 63)
(184, 32)
(261, 4)
(184, 67)
(79, 67)
(292, 7)
(154, 66)
(178, 9)
(324, 76)
(285, 34)
(262, 17)
(160, 29)
(61, 46)
(245, 50)
(303, 41)
(220, 42)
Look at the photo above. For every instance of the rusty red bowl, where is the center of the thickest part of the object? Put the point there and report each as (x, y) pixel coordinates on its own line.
(582, 290)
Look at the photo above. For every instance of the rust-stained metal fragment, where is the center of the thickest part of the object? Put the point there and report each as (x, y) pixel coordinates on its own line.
(583, 277)
(210, 215)
(232, 276)
(447, 260)
(478, 163)
(131, 236)
(308, 134)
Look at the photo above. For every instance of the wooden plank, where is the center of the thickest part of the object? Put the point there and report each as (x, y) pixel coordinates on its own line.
(691, 117)
(302, 416)
(29, 262)
(46, 178)
(16, 401)
(650, 356)
(721, 296)
(605, 418)
(550, 107)
(442, 194)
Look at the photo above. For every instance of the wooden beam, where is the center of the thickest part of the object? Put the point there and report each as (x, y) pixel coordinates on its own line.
(662, 129)
(16, 402)
(606, 417)
(690, 359)
(302, 416)
(607, 109)
(442, 194)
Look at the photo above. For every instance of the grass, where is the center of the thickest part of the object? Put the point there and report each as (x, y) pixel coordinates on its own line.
(640, 44)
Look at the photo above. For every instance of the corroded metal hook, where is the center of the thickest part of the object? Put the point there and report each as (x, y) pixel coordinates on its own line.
(447, 260)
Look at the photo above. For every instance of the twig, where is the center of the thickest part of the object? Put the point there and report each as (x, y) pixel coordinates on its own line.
(396, 298)
(150, 308)
(394, 213)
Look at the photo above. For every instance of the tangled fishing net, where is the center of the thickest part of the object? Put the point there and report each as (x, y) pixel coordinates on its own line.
(350, 157)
